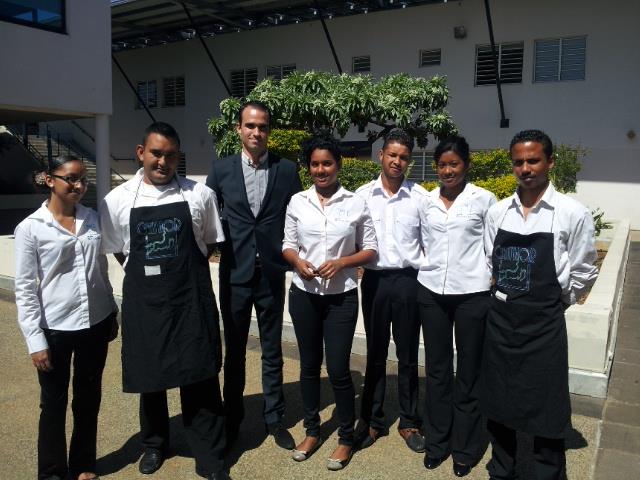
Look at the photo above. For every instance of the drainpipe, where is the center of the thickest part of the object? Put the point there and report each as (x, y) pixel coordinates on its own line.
(133, 89)
(504, 122)
(326, 33)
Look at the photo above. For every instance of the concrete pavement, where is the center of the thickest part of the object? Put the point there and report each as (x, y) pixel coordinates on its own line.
(255, 456)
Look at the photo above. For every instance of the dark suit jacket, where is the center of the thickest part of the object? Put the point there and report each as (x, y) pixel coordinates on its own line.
(245, 233)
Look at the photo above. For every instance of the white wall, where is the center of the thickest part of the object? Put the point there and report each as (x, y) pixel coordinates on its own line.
(63, 73)
(596, 113)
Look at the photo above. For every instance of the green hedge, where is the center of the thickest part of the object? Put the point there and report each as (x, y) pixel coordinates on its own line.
(287, 143)
(489, 164)
(501, 187)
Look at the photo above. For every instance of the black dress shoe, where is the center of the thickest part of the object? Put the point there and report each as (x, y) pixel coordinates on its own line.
(432, 463)
(281, 436)
(413, 438)
(221, 475)
(461, 470)
(151, 461)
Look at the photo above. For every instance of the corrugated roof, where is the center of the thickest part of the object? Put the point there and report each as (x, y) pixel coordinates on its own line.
(141, 23)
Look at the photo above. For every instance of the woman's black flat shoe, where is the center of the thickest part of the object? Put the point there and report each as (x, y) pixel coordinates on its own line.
(431, 463)
(461, 470)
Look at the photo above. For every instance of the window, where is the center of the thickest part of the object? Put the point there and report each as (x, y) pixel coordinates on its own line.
(181, 170)
(173, 91)
(243, 81)
(361, 64)
(278, 72)
(429, 58)
(148, 92)
(560, 59)
(43, 14)
(510, 57)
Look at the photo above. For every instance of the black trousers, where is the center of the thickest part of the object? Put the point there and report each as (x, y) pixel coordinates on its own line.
(202, 417)
(266, 294)
(389, 304)
(88, 347)
(549, 462)
(332, 319)
(453, 422)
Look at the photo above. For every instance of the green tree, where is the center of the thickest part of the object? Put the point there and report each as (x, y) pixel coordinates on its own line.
(326, 102)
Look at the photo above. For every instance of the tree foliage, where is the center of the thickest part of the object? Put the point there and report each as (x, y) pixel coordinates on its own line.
(326, 102)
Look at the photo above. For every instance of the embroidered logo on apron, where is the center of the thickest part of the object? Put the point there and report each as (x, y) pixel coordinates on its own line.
(514, 267)
(160, 237)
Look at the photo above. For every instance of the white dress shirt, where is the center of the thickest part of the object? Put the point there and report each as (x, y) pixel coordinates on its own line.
(574, 250)
(116, 206)
(61, 279)
(396, 219)
(342, 228)
(452, 240)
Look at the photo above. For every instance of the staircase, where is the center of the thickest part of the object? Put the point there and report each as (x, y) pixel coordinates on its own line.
(66, 146)
(60, 147)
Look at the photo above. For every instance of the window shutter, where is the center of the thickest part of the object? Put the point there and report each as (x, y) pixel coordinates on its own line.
(430, 58)
(573, 58)
(511, 57)
(547, 60)
(361, 64)
(243, 81)
(510, 60)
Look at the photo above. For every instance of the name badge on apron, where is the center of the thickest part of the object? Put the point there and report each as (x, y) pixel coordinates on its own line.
(150, 270)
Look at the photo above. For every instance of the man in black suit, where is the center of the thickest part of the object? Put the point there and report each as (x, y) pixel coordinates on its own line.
(253, 189)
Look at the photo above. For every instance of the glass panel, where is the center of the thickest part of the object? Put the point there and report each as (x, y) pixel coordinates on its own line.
(45, 14)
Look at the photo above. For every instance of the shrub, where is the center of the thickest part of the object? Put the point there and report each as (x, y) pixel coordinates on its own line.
(564, 174)
(353, 174)
(599, 222)
(430, 185)
(287, 143)
(489, 164)
(501, 187)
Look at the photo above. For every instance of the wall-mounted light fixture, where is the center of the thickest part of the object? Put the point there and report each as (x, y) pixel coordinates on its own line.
(459, 32)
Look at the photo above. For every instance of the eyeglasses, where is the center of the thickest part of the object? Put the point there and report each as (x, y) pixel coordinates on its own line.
(73, 181)
(167, 154)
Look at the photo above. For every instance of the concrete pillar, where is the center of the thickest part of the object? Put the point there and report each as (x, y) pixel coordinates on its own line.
(103, 159)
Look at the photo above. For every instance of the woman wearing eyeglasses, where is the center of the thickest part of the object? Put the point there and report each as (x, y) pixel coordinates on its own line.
(65, 309)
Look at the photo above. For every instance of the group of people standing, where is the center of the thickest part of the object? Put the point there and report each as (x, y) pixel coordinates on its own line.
(496, 276)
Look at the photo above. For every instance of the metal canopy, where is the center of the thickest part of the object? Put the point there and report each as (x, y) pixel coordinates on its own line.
(142, 23)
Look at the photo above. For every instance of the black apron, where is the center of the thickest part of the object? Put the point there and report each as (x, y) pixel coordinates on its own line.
(170, 326)
(525, 359)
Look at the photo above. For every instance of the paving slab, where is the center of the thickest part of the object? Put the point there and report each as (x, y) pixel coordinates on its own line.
(616, 465)
(616, 436)
(255, 456)
(624, 413)
(627, 355)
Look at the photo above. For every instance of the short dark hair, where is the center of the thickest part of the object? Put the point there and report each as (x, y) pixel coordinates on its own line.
(455, 144)
(533, 136)
(164, 129)
(397, 135)
(55, 163)
(321, 142)
(254, 104)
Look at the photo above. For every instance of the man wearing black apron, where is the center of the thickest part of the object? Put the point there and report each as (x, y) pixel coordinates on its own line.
(542, 251)
(163, 225)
